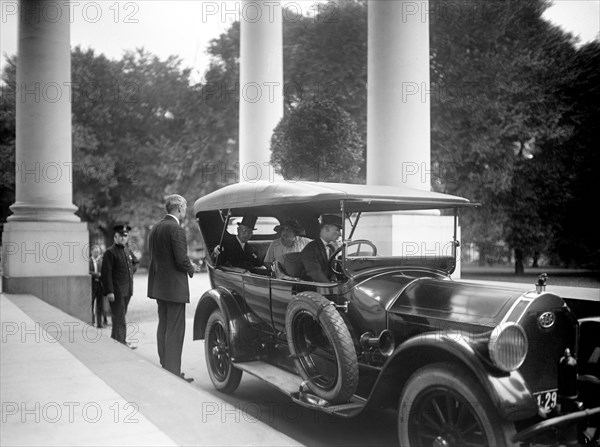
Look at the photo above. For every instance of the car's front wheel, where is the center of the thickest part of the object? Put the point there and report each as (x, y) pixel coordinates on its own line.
(442, 405)
(224, 376)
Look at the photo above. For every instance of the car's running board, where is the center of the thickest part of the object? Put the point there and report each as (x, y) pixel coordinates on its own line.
(293, 385)
(281, 379)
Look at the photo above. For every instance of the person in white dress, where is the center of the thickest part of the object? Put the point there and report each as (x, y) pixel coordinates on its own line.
(291, 240)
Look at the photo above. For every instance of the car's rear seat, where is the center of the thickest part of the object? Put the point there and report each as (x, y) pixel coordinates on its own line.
(261, 248)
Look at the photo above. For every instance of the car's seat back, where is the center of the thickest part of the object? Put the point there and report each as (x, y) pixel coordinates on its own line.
(292, 265)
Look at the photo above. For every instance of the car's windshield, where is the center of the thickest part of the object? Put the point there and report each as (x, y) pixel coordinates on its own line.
(424, 239)
(425, 234)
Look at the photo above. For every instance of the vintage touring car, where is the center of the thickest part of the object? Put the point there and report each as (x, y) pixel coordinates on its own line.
(464, 364)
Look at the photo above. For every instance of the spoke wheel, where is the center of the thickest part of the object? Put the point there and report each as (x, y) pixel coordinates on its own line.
(442, 406)
(446, 419)
(223, 374)
(321, 347)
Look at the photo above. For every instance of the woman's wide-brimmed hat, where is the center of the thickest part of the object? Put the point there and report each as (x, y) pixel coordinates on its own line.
(292, 224)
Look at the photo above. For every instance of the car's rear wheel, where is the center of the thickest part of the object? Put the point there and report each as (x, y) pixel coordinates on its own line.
(442, 405)
(224, 376)
(322, 347)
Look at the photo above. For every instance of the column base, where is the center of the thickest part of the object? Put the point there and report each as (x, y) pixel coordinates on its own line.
(25, 212)
(71, 294)
(51, 261)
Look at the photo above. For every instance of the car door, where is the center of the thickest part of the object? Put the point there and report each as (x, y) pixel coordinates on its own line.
(282, 292)
(257, 294)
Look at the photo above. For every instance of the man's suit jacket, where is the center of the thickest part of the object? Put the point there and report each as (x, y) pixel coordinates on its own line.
(236, 256)
(169, 262)
(316, 264)
(118, 266)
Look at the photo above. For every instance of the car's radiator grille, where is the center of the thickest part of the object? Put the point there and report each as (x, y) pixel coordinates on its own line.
(550, 330)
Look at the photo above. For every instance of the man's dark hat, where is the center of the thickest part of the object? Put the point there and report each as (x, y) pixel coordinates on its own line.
(122, 229)
(331, 219)
(248, 221)
(292, 224)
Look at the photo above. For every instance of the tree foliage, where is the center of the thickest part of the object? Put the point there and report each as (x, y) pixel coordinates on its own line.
(212, 128)
(7, 137)
(317, 141)
(325, 57)
(564, 172)
(128, 119)
(128, 116)
(495, 101)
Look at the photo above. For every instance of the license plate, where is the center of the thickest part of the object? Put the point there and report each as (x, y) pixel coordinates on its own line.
(546, 400)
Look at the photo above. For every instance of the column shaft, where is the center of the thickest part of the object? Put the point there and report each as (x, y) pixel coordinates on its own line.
(398, 114)
(261, 86)
(43, 115)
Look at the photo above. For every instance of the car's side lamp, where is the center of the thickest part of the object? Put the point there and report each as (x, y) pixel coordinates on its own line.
(540, 286)
(567, 376)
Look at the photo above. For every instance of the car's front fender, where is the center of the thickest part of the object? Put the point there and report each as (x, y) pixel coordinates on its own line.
(243, 337)
(508, 392)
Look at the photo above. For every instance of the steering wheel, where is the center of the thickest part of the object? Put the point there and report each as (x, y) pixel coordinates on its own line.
(335, 263)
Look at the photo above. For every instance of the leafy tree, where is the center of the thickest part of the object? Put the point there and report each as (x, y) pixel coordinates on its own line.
(210, 138)
(495, 73)
(566, 168)
(325, 57)
(128, 118)
(317, 141)
(7, 137)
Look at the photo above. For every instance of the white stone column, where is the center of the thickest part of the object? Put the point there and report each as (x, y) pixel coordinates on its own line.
(43, 104)
(398, 114)
(261, 85)
(399, 125)
(44, 244)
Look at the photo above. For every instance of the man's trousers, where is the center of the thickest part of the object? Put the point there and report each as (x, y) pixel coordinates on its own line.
(119, 326)
(170, 334)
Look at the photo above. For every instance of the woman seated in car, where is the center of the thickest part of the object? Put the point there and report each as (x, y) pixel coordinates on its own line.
(282, 251)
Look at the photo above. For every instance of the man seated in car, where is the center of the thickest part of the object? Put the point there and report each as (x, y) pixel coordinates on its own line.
(283, 254)
(235, 251)
(315, 256)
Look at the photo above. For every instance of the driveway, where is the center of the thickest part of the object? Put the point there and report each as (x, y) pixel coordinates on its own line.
(255, 398)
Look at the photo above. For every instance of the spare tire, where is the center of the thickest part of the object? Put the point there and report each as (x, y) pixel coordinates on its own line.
(321, 347)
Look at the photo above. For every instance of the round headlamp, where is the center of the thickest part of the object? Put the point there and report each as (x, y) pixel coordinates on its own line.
(508, 346)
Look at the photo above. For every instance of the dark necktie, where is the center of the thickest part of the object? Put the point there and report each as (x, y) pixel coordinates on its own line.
(330, 249)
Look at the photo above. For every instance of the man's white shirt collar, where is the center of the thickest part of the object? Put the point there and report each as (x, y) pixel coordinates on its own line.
(174, 217)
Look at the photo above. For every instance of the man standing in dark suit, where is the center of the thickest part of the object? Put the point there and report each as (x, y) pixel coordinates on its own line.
(315, 256)
(118, 266)
(168, 282)
(235, 250)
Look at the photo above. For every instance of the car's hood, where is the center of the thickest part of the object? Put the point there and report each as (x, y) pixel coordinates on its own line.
(440, 299)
